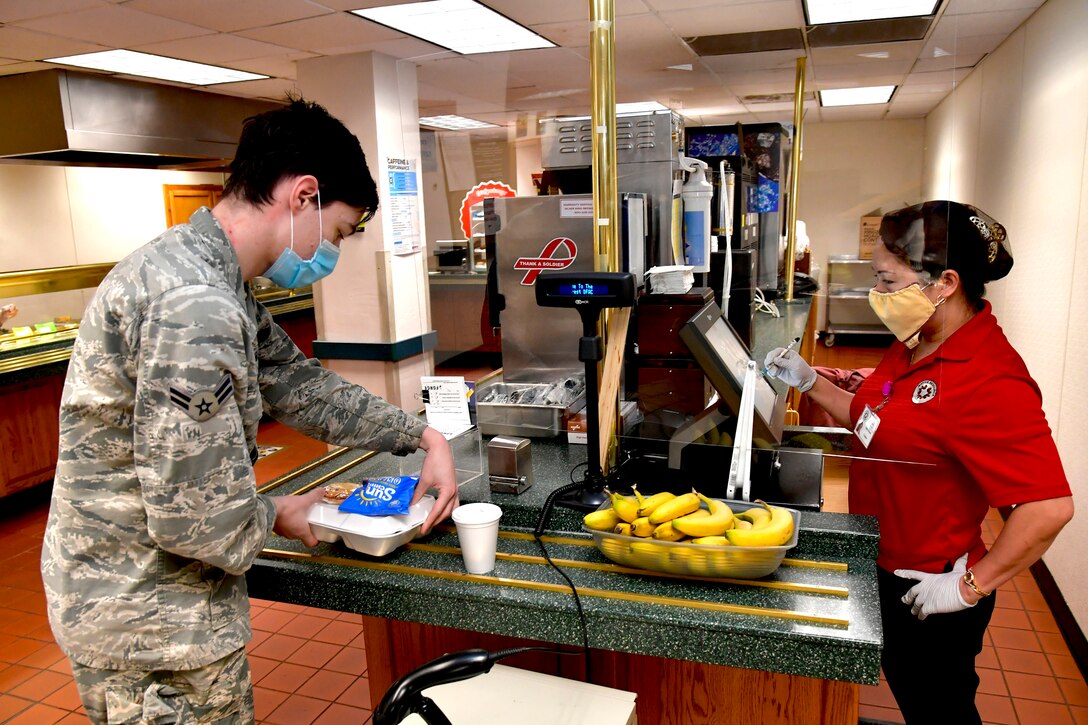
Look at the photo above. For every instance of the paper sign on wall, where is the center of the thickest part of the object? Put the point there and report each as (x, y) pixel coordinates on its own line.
(403, 206)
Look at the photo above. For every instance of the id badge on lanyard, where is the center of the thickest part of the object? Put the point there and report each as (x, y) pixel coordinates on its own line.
(867, 425)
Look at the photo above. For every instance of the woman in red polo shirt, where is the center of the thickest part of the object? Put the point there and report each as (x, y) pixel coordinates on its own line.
(949, 425)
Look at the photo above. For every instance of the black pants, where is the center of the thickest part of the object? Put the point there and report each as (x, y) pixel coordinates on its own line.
(930, 664)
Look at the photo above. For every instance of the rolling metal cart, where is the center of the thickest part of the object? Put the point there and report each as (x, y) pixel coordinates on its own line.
(849, 280)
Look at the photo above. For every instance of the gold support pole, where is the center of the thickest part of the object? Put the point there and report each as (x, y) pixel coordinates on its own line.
(602, 59)
(606, 248)
(795, 174)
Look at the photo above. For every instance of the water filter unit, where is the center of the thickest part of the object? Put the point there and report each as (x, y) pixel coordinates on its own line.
(696, 195)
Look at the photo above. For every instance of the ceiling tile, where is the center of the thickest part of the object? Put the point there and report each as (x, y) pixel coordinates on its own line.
(274, 89)
(645, 44)
(11, 69)
(216, 49)
(948, 62)
(535, 13)
(12, 10)
(933, 82)
(988, 23)
(851, 54)
(718, 18)
(323, 32)
(862, 74)
(570, 34)
(277, 66)
(960, 7)
(777, 60)
(27, 45)
(975, 45)
(233, 15)
(114, 26)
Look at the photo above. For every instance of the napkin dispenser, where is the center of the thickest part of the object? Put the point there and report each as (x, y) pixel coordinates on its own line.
(509, 464)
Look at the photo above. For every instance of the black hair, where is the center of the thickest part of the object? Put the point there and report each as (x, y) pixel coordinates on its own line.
(951, 236)
(301, 138)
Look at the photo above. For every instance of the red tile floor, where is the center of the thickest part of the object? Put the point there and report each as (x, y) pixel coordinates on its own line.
(309, 665)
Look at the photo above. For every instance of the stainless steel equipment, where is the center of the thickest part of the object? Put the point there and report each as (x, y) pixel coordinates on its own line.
(72, 118)
(647, 162)
(848, 312)
(526, 235)
(509, 464)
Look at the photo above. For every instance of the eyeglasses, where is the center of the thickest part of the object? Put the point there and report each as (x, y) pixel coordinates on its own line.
(361, 224)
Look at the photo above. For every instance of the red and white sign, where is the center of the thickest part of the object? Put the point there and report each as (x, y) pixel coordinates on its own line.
(485, 190)
(548, 259)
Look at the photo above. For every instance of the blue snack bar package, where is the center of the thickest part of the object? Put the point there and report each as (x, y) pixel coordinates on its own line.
(383, 496)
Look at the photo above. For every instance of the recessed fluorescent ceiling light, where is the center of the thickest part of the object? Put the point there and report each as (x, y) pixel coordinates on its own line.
(132, 63)
(453, 123)
(641, 107)
(463, 26)
(820, 12)
(856, 96)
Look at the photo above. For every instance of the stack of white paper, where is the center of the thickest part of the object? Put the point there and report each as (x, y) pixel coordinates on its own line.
(673, 279)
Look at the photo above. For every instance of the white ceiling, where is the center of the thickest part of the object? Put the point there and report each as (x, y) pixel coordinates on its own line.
(269, 36)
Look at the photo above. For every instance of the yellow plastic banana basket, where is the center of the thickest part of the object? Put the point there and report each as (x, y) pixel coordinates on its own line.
(681, 558)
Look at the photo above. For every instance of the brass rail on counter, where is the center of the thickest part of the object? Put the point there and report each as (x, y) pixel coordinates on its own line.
(52, 279)
(617, 569)
(561, 588)
(807, 563)
(302, 470)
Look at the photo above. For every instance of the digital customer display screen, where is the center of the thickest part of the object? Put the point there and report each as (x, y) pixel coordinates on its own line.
(585, 289)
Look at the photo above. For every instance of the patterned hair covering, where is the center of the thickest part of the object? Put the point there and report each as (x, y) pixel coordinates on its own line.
(937, 235)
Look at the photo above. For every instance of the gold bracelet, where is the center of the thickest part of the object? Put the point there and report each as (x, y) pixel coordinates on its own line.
(969, 580)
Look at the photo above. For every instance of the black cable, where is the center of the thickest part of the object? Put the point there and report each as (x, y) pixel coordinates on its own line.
(541, 524)
(578, 606)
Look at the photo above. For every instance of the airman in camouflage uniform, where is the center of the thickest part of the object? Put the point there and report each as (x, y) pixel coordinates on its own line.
(155, 515)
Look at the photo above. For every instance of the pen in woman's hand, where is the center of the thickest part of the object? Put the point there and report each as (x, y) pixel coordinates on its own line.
(783, 353)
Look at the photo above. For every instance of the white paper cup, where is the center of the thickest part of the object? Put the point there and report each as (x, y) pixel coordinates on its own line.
(478, 531)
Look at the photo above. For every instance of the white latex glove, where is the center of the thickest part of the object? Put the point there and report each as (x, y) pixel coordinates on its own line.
(789, 367)
(935, 593)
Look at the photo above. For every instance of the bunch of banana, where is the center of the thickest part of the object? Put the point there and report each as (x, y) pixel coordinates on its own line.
(717, 521)
(772, 526)
(668, 517)
(675, 507)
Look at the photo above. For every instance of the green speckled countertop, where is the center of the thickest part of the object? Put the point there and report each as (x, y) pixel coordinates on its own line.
(824, 624)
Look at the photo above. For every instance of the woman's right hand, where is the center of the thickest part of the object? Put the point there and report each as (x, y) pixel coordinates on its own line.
(789, 367)
(7, 312)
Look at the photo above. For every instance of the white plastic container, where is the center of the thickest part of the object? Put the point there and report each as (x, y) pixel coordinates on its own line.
(696, 194)
(373, 535)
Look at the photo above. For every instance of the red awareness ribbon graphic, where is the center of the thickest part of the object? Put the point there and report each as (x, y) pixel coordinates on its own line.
(546, 260)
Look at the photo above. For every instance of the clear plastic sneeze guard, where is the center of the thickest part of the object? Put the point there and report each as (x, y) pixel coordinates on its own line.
(468, 457)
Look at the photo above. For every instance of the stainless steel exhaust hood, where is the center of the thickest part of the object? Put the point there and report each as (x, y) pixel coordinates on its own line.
(86, 119)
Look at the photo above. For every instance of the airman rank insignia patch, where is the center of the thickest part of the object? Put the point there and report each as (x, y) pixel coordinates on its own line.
(203, 404)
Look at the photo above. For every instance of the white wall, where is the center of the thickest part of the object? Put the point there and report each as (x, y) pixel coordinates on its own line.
(56, 216)
(1012, 140)
(848, 170)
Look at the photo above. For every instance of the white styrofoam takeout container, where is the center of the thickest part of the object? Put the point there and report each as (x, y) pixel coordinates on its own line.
(373, 535)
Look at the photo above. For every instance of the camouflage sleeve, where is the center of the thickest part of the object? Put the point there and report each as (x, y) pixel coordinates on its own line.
(190, 446)
(306, 396)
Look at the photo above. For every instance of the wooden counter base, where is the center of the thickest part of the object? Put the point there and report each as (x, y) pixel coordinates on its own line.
(670, 692)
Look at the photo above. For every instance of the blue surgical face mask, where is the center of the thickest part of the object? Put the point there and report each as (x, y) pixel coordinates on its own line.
(291, 271)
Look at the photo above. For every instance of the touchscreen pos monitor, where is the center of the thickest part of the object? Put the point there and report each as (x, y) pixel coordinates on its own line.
(724, 359)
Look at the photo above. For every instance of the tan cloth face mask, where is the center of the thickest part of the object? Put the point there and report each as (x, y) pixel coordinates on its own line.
(904, 311)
